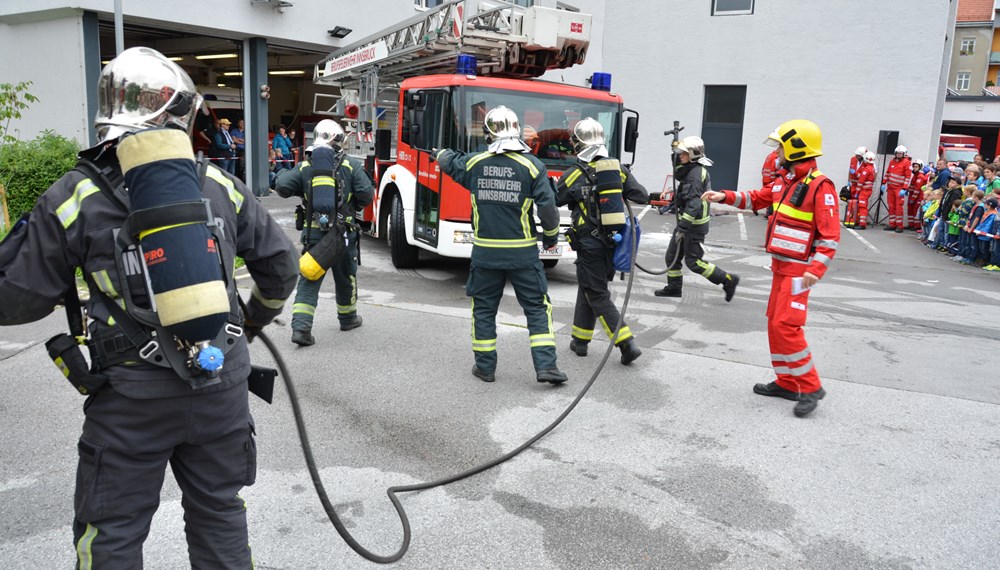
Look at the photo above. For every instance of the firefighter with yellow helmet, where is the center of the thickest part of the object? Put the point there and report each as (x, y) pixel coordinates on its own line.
(693, 216)
(802, 238)
(590, 238)
(155, 244)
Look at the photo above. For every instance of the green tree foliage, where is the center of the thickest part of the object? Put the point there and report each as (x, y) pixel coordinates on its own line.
(28, 168)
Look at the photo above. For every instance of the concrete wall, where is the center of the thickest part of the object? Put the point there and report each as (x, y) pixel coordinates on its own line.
(798, 58)
(57, 76)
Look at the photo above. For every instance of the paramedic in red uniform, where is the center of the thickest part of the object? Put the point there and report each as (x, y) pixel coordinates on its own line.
(895, 179)
(802, 238)
(915, 195)
(856, 161)
(769, 172)
(861, 193)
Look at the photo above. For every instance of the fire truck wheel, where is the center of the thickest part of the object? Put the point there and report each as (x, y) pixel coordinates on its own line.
(549, 263)
(404, 255)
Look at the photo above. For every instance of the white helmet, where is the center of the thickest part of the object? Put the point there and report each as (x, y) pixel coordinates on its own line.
(588, 139)
(773, 140)
(695, 147)
(861, 150)
(330, 133)
(870, 157)
(503, 131)
(900, 149)
(917, 162)
(142, 89)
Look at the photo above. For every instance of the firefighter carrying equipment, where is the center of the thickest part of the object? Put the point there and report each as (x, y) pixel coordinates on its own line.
(140, 331)
(326, 208)
(608, 186)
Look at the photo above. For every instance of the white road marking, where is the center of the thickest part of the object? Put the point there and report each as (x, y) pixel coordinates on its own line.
(867, 243)
(743, 227)
(5, 345)
(643, 213)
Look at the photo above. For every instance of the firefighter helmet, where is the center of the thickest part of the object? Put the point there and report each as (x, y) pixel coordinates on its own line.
(870, 157)
(800, 139)
(141, 89)
(588, 139)
(861, 150)
(900, 149)
(917, 162)
(695, 148)
(503, 131)
(773, 140)
(329, 133)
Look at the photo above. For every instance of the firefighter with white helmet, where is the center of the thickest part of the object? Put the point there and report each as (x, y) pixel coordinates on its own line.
(856, 161)
(333, 186)
(914, 195)
(894, 183)
(149, 405)
(591, 239)
(802, 238)
(693, 216)
(505, 181)
(861, 193)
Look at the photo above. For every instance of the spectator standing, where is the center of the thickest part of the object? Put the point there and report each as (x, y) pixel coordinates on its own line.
(984, 232)
(239, 137)
(941, 175)
(225, 147)
(282, 146)
(973, 175)
(293, 137)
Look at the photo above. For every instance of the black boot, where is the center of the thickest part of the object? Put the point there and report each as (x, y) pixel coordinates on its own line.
(630, 351)
(352, 324)
(808, 402)
(673, 288)
(484, 376)
(729, 285)
(579, 346)
(551, 375)
(303, 338)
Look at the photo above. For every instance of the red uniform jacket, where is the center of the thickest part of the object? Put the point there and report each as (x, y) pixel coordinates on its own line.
(852, 174)
(819, 213)
(864, 181)
(897, 174)
(770, 169)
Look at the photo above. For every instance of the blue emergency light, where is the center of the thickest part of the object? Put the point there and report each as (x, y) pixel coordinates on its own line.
(601, 81)
(466, 64)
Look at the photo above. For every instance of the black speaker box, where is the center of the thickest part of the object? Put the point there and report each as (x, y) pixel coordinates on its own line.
(887, 141)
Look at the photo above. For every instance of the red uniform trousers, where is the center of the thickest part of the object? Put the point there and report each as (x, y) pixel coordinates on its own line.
(897, 204)
(913, 200)
(864, 196)
(790, 354)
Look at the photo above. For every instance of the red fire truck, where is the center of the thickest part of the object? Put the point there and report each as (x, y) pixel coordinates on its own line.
(427, 83)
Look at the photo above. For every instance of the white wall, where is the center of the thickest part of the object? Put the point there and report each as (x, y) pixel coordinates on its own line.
(56, 73)
(853, 75)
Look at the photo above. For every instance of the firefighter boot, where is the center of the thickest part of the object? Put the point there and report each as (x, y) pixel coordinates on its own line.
(578, 346)
(673, 288)
(303, 338)
(351, 324)
(630, 351)
(484, 376)
(551, 375)
(808, 402)
(729, 285)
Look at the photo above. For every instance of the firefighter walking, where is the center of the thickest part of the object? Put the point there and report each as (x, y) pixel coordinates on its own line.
(894, 183)
(332, 186)
(692, 223)
(591, 240)
(505, 183)
(149, 402)
(802, 238)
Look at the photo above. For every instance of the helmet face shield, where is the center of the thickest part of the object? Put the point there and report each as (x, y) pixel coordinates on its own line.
(142, 89)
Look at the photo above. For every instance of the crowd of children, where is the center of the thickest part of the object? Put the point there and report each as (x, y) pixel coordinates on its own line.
(959, 214)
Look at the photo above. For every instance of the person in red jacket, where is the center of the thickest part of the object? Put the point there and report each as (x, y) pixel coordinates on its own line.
(914, 196)
(769, 172)
(856, 161)
(895, 179)
(802, 238)
(861, 193)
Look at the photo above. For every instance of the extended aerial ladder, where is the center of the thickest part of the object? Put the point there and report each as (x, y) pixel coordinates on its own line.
(506, 40)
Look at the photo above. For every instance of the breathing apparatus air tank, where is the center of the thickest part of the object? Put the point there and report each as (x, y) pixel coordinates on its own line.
(608, 182)
(181, 259)
(323, 208)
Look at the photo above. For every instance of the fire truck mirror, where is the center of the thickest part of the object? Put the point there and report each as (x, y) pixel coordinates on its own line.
(631, 133)
(416, 136)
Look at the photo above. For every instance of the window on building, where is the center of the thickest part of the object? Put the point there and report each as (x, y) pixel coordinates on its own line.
(732, 7)
(968, 46)
(962, 80)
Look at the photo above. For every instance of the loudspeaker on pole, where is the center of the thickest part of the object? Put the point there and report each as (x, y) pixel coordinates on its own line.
(887, 141)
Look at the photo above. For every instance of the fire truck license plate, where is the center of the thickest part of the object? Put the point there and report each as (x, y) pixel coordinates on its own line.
(557, 252)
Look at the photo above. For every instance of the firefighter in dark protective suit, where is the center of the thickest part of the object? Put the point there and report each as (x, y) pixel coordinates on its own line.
(333, 186)
(692, 222)
(156, 394)
(504, 183)
(591, 240)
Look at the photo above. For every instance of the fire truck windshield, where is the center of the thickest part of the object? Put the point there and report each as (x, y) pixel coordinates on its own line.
(546, 121)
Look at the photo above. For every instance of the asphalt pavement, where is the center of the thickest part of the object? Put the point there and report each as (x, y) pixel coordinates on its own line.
(671, 462)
